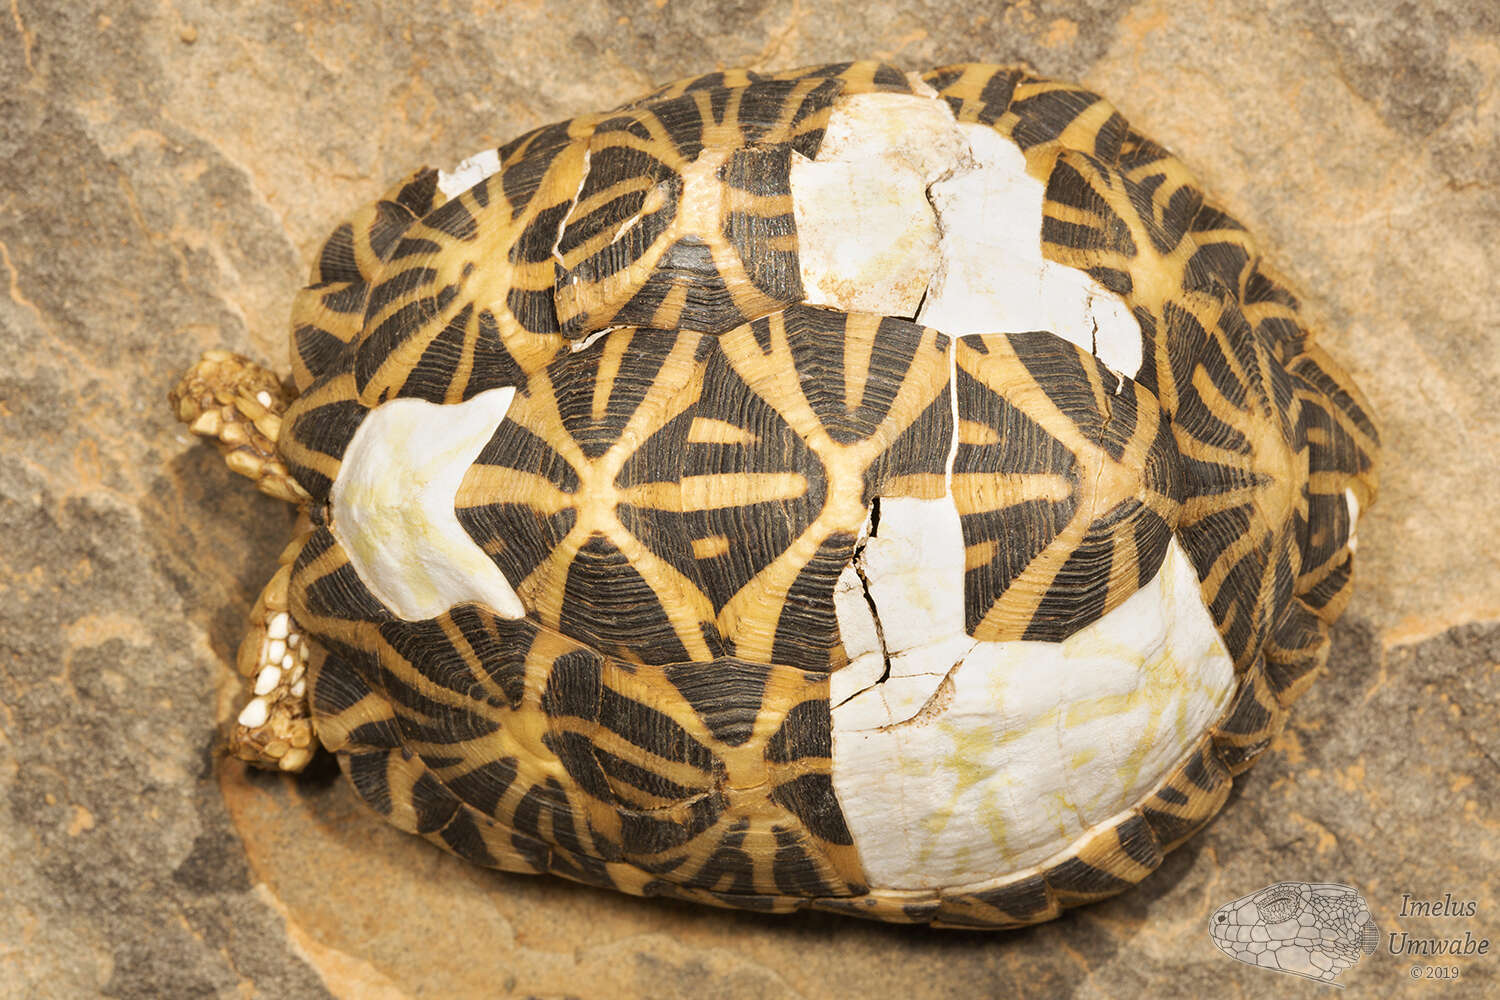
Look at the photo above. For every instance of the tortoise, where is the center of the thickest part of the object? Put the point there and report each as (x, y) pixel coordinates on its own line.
(898, 494)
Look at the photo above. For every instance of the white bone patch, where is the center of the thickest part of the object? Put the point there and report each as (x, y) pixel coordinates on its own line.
(393, 506)
(992, 277)
(958, 773)
(907, 212)
(1352, 502)
(468, 173)
(867, 240)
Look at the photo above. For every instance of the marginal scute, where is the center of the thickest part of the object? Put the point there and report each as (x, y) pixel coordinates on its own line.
(899, 495)
(327, 316)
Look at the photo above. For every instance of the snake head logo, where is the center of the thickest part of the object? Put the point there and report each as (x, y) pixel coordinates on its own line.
(1306, 929)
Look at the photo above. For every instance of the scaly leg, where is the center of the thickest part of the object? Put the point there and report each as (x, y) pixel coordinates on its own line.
(274, 730)
(238, 404)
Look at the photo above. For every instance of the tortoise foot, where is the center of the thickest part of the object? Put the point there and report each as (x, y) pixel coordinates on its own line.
(238, 405)
(274, 729)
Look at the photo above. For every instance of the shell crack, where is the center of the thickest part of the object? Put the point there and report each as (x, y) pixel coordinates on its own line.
(857, 564)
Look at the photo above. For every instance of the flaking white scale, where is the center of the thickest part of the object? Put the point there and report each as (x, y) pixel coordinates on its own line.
(468, 172)
(867, 238)
(267, 679)
(254, 714)
(909, 572)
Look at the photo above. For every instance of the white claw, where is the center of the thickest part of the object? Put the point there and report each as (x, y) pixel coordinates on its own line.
(279, 626)
(275, 651)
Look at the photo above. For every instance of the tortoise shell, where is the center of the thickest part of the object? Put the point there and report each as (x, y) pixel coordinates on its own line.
(898, 494)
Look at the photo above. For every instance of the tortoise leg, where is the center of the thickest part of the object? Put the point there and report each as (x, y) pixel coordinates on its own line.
(274, 729)
(239, 404)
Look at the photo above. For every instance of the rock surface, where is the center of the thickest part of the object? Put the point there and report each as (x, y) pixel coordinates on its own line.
(168, 169)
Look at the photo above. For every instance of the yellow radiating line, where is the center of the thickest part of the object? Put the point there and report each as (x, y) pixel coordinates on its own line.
(1002, 372)
(1229, 556)
(1200, 508)
(772, 376)
(615, 345)
(859, 349)
(706, 430)
(716, 492)
(983, 491)
(713, 492)
(676, 387)
(981, 553)
(1073, 214)
(974, 433)
(602, 197)
(920, 485)
(542, 590)
(547, 422)
(465, 367)
(708, 548)
(487, 484)
(1082, 130)
(1017, 605)
(669, 313)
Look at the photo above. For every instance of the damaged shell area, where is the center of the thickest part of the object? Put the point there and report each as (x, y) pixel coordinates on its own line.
(884, 492)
